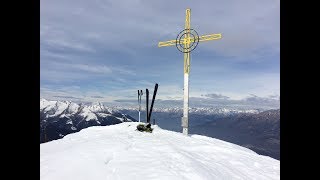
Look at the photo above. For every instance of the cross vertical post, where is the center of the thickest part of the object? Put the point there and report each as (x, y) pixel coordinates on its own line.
(185, 119)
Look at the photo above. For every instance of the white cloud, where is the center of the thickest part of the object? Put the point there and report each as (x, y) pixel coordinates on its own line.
(92, 68)
(58, 71)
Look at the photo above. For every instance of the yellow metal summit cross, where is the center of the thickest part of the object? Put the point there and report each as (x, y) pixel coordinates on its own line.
(186, 41)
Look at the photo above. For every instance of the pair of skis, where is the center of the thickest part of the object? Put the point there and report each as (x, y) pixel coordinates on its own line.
(147, 102)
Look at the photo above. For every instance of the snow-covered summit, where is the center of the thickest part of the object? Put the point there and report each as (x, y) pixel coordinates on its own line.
(121, 152)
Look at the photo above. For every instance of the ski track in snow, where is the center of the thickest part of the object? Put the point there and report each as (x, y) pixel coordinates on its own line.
(121, 152)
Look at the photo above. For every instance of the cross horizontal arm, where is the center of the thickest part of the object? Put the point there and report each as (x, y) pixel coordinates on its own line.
(167, 43)
(209, 37)
(201, 39)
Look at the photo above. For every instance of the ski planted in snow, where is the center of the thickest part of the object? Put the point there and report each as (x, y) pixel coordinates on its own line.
(153, 98)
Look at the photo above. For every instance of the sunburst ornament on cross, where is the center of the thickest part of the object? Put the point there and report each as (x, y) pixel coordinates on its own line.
(186, 41)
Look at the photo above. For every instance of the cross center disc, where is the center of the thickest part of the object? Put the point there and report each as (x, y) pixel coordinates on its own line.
(187, 40)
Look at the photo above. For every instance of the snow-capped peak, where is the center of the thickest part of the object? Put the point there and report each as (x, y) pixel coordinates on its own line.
(88, 114)
(68, 107)
(45, 103)
(97, 107)
(67, 116)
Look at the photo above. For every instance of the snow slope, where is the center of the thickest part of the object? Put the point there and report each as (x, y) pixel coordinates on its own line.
(120, 152)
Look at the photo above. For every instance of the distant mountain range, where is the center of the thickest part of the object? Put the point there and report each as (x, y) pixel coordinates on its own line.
(259, 132)
(202, 110)
(256, 129)
(59, 118)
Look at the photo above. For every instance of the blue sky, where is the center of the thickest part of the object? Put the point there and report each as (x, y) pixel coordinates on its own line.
(105, 50)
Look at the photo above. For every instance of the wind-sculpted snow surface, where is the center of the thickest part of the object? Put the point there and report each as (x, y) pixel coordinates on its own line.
(121, 152)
